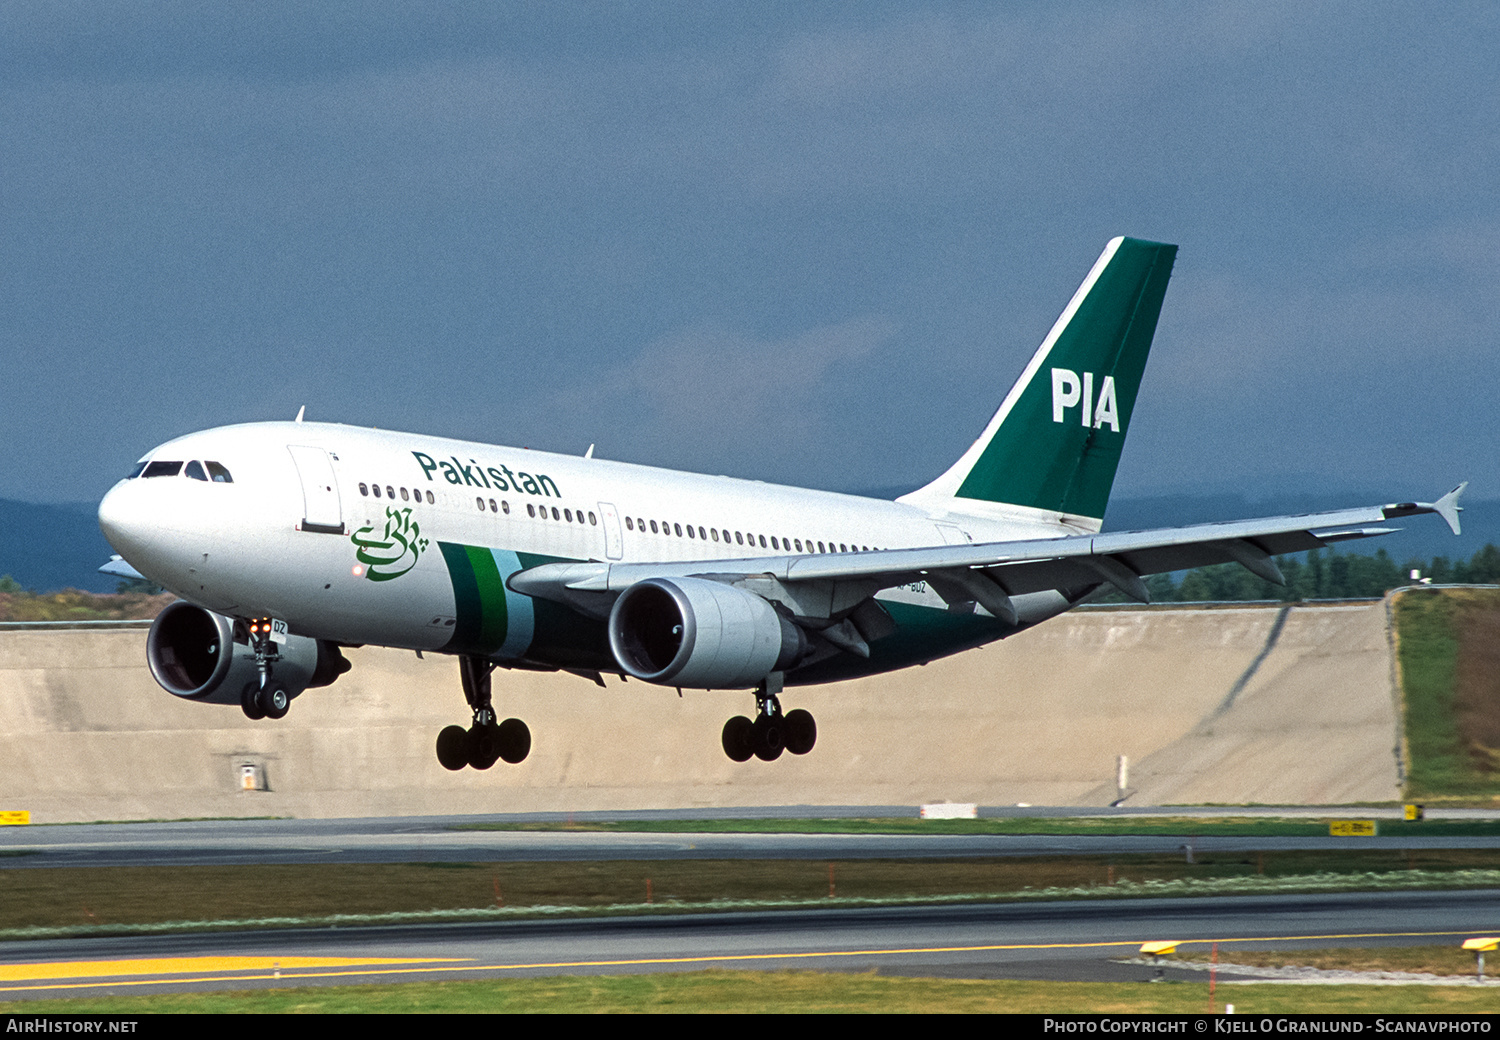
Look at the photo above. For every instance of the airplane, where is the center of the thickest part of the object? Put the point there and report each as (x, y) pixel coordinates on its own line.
(291, 541)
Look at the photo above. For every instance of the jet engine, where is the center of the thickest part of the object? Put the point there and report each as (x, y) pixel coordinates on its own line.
(203, 656)
(701, 634)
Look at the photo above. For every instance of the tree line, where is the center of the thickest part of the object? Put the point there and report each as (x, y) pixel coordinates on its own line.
(1320, 574)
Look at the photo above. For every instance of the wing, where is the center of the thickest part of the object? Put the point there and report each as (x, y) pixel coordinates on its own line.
(826, 586)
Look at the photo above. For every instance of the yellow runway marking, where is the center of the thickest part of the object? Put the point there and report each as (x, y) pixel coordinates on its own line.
(189, 965)
(294, 968)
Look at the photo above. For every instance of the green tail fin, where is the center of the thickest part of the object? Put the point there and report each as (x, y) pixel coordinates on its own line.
(1055, 443)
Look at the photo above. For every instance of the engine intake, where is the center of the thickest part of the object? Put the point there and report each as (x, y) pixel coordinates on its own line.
(203, 656)
(702, 634)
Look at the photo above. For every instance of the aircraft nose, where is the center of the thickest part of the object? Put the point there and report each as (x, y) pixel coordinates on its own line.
(124, 519)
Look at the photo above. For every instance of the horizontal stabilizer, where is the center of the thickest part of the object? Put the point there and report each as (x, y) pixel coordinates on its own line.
(120, 569)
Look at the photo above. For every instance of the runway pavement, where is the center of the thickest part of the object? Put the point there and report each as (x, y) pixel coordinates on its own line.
(441, 839)
(1079, 940)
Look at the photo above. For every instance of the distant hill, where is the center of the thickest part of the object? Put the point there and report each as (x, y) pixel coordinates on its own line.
(51, 547)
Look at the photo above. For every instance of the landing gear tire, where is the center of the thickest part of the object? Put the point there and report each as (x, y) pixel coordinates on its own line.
(453, 747)
(770, 737)
(275, 700)
(739, 738)
(513, 740)
(250, 702)
(801, 731)
(483, 745)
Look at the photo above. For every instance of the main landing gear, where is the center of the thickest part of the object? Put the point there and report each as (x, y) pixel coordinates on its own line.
(772, 732)
(484, 742)
(265, 698)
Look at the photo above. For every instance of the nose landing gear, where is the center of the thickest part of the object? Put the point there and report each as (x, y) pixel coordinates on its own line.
(265, 698)
(485, 741)
(772, 732)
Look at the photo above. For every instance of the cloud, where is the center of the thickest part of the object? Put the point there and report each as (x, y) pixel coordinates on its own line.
(707, 392)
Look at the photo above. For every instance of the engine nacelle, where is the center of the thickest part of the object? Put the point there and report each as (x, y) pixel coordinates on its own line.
(203, 656)
(701, 634)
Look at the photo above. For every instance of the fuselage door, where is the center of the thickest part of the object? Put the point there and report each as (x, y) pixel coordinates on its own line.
(321, 511)
(614, 546)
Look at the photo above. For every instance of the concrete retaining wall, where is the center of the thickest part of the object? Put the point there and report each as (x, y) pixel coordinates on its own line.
(1040, 718)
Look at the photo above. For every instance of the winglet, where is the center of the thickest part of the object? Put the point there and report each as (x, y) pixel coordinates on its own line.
(1448, 508)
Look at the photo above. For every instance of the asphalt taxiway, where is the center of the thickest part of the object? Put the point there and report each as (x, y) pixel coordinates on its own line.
(451, 839)
(1066, 940)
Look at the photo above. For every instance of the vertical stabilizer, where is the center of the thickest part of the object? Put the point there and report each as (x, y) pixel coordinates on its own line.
(1055, 443)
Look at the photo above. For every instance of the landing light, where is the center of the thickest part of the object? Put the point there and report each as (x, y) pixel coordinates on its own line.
(357, 570)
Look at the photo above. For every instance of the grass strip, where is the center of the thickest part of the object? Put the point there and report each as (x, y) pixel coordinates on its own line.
(673, 903)
(789, 992)
(1450, 960)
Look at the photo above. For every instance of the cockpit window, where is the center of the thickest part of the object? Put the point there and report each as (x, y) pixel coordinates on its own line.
(218, 473)
(136, 470)
(163, 469)
(195, 470)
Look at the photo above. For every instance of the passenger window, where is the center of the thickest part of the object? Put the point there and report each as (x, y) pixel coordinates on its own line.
(715, 532)
(555, 514)
(798, 543)
(679, 529)
(653, 528)
(403, 495)
(773, 542)
(377, 490)
(364, 489)
(690, 531)
(592, 521)
(429, 498)
(390, 492)
(493, 507)
(530, 510)
(504, 507)
(195, 470)
(629, 523)
(738, 539)
(568, 515)
(701, 532)
(162, 469)
(763, 541)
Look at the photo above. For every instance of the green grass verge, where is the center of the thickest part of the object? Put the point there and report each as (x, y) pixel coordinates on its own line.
(1429, 960)
(784, 992)
(1445, 646)
(1429, 659)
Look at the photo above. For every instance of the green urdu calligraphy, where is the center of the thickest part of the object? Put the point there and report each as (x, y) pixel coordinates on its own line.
(395, 551)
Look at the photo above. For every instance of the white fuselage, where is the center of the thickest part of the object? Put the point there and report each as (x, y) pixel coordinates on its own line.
(295, 538)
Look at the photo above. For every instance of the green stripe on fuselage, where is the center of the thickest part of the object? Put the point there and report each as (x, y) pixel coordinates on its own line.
(478, 599)
(492, 622)
(466, 601)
